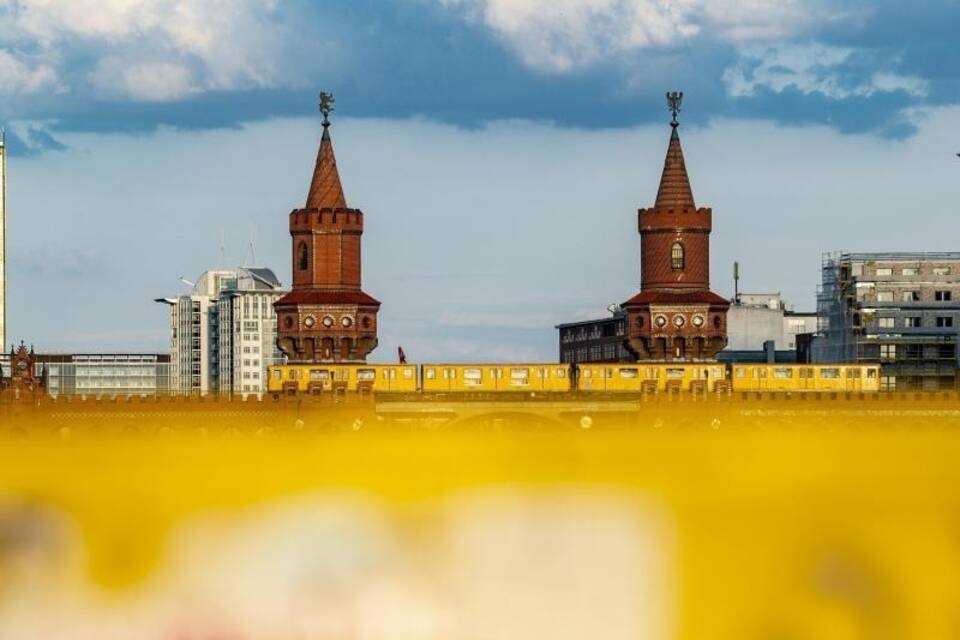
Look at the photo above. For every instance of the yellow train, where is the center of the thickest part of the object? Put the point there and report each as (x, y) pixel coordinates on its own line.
(553, 378)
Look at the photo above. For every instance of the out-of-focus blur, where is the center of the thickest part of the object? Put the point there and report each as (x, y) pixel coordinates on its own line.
(767, 519)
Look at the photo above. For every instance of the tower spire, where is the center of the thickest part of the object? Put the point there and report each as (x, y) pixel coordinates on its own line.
(326, 192)
(675, 191)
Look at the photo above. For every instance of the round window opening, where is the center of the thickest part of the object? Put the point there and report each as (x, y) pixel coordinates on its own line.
(346, 321)
(716, 322)
(660, 321)
(698, 321)
(327, 321)
(309, 321)
(366, 322)
(678, 321)
(288, 322)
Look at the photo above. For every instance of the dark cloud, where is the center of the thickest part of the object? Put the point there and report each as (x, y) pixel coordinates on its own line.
(420, 58)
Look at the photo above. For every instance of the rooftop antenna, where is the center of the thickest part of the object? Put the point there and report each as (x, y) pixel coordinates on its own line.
(253, 248)
(187, 282)
(736, 282)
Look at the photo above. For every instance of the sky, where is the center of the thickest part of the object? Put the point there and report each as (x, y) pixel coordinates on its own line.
(499, 149)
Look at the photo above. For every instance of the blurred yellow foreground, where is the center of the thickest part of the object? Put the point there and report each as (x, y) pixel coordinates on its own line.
(780, 519)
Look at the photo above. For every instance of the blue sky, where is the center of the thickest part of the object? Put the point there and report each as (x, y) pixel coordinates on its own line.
(499, 148)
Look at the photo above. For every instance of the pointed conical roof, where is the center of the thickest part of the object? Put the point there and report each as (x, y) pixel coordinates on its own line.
(674, 188)
(325, 189)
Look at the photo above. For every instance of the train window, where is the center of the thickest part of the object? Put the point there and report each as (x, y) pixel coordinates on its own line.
(408, 373)
(449, 374)
(472, 376)
(542, 372)
(561, 373)
(519, 376)
(674, 373)
(629, 373)
(739, 372)
(829, 372)
(806, 372)
(761, 372)
(318, 375)
(496, 374)
(871, 373)
(608, 373)
(783, 372)
(277, 375)
(853, 372)
(366, 374)
(294, 374)
(430, 373)
(586, 373)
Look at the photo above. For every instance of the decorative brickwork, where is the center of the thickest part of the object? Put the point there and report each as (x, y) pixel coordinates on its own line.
(326, 317)
(675, 316)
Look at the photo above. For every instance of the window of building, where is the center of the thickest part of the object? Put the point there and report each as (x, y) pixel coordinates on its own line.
(911, 296)
(944, 321)
(888, 383)
(908, 271)
(885, 323)
(885, 271)
(888, 352)
(941, 271)
(884, 296)
(304, 260)
(942, 296)
(913, 322)
(946, 351)
(677, 257)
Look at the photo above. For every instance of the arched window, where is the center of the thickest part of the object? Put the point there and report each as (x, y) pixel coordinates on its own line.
(676, 256)
(304, 256)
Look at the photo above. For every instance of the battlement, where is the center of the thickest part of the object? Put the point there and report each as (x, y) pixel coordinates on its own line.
(343, 219)
(672, 219)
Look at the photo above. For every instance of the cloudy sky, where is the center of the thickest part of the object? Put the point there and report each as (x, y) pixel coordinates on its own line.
(499, 148)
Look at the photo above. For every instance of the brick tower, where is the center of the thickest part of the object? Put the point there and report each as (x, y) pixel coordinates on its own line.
(326, 317)
(675, 316)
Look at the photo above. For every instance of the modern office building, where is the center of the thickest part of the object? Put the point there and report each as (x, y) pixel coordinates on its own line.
(601, 340)
(104, 374)
(223, 333)
(899, 309)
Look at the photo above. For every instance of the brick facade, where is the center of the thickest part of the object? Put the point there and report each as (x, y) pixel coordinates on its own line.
(675, 316)
(326, 317)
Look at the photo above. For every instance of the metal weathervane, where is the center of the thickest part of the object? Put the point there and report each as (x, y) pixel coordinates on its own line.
(674, 98)
(326, 106)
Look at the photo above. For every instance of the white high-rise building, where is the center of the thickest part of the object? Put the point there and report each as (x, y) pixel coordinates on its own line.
(223, 334)
(3, 242)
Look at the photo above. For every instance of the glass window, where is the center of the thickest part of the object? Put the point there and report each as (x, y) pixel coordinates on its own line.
(911, 296)
(674, 374)
(472, 376)
(941, 271)
(829, 372)
(944, 321)
(872, 372)
(366, 374)
(853, 372)
(629, 373)
(519, 376)
(942, 296)
(884, 271)
(318, 375)
(739, 372)
(783, 372)
(909, 271)
(806, 372)
(408, 373)
(888, 352)
(885, 323)
(677, 257)
(430, 373)
(561, 373)
(912, 321)
(884, 296)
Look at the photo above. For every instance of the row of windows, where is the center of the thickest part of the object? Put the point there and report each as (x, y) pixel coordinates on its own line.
(912, 271)
(802, 372)
(890, 352)
(914, 296)
(914, 322)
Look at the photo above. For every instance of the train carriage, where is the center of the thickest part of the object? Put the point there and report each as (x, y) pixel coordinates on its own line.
(805, 377)
(495, 378)
(341, 378)
(650, 377)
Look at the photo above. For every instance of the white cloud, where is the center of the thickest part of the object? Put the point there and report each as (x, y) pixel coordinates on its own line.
(18, 76)
(181, 45)
(563, 35)
(810, 68)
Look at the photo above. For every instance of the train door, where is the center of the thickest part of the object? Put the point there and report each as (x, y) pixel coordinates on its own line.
(761, 374)
(496, 378)
(805, 378)
(852, 378)
(740, 380)
(585, 378)
(449, 378)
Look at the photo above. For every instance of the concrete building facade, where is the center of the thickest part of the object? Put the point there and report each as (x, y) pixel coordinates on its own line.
(899, 309)
(104, 374)
(223, 333)
(601, 340)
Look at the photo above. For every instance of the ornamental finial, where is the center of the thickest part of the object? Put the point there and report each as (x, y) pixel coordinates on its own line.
(326, 106)
(674, 98)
